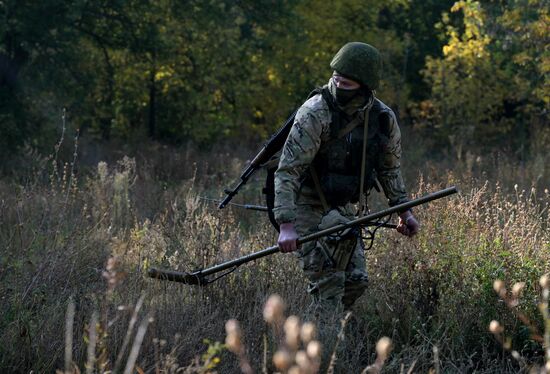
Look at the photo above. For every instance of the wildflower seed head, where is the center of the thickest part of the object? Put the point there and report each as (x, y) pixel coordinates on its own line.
(292, 332)
(233, 338)
(233, 343)
(111, 264)
(308, 332)
(303, 361)
(495, 327)
(295, 370)
(314, 349)
(499, 287)
(232, 327)
(282, 360)
(545, 281)
(274, 309)
(517, 289)
(292, 324)
(292, 340)
(383, 348)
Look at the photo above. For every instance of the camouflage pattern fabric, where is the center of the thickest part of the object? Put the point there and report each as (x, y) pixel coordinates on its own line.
(335, 267)
(343, 282)
(311, 129)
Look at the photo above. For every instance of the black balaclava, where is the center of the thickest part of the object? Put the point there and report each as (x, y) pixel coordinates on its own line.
(343, 97)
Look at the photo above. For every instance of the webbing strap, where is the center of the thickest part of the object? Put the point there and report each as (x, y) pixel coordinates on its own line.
(317, 184)
(362, 197)
(349, 127)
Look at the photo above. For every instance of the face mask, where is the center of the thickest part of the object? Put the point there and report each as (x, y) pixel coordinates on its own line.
(345, 96)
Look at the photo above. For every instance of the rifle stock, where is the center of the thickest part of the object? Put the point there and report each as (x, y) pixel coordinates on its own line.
(198, 277)
(272, 146)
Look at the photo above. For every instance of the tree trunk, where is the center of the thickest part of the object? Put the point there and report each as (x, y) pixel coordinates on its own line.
(152, 100)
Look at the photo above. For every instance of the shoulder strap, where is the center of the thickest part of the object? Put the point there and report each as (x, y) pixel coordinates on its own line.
(347, 129)
(362, 197)
(315, 91)
(318, 188)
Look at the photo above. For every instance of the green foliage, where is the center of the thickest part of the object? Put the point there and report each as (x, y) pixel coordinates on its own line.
(211, 357)
(492, 81)
(173, 71)
(202, 71)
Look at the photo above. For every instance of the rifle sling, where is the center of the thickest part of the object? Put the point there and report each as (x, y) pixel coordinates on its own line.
(362, 198)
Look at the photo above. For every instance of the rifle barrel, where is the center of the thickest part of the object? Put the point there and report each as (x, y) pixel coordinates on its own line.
(231, 193)
(274, 144)
(197, 277)
(259, 208)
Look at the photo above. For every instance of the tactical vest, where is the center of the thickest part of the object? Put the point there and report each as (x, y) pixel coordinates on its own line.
(338, 161)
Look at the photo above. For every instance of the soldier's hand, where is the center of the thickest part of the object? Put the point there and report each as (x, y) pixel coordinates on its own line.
(408, 225)
(287, 237)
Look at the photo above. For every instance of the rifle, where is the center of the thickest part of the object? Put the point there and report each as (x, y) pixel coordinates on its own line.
(272, 146)
(198, 277)
(258, 208)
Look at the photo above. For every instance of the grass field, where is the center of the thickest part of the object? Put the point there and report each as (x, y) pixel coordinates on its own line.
(76, 244)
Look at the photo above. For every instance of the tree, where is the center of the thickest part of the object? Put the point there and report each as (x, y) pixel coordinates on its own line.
(488, 86)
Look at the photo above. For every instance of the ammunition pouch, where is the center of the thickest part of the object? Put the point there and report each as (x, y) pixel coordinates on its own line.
(340, 189)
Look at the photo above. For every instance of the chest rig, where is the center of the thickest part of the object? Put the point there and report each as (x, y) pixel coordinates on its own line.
(337, 165)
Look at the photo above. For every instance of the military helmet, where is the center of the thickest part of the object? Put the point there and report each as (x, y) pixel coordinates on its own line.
(360, 62)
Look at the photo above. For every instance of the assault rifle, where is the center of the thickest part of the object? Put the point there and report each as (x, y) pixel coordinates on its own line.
(199, 277)
(272, 146)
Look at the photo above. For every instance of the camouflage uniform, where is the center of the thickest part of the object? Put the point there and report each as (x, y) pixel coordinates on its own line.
(298, 202)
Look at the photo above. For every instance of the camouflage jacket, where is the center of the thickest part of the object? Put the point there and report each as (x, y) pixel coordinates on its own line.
(310, 132)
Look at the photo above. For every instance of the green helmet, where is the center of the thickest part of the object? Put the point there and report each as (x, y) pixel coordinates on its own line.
(360, 62)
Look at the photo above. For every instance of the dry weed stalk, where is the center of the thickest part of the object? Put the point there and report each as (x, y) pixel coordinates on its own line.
(138, 341)
(299, 352)
(383, 350)
(96, 338)
(234, 343)
(69, 326)
(54, 244)
(512, 301)
(92, 343)
(129, 332)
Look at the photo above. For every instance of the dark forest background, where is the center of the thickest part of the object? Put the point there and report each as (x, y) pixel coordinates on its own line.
(468, 76)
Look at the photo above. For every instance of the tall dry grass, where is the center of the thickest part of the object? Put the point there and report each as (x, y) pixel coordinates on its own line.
(85, 239)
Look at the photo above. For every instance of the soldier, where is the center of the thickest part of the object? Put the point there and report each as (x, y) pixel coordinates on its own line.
(342, 140)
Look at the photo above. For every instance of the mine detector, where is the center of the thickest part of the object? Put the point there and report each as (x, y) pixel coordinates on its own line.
(266, 159)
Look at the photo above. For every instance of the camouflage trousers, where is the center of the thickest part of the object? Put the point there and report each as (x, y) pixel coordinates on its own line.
(334, 266)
